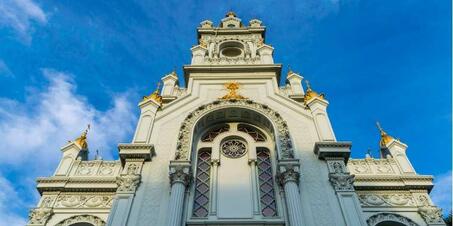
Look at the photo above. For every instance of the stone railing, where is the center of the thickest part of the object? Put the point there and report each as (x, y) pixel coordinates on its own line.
(232, 60)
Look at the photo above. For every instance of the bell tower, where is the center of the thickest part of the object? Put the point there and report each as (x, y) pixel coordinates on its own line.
(232, 43)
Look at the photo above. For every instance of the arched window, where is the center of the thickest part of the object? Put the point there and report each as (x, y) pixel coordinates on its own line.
(234, 177)
(201, 198)
(266, 183)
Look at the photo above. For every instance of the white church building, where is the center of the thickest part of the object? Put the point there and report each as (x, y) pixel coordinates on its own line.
(233, 147)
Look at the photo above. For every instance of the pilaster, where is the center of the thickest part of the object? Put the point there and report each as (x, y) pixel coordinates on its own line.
(70, 153)
(132, 157)
(397, 150)
(148, 110)
(318, 108)
(336, 154)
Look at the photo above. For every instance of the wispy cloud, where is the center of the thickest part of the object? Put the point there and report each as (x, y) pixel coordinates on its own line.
(20, 15)
(9, 201)
(441, 194)
(34, 131)
(4, 70)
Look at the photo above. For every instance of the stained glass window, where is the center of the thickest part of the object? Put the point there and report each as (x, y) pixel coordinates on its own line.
(252, 131)
(212, 133)
(267, 192)
(201, 198)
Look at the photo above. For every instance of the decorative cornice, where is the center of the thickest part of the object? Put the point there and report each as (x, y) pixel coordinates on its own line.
(137, 151)
(329, 149)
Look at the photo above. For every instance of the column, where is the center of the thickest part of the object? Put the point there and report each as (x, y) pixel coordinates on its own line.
(288, 178)
(256, 188)
(213, 201)
(179, 179)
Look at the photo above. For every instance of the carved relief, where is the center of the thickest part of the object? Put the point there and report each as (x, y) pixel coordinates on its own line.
(107, 169)
(85, 169)
(342, 181)
(82, 219)
(39, 216)
(431, 214)
(47, 201)
(372, 166)
(394, 200)
(130, 181)
(84, 201)
(383, 217)
(282, 131)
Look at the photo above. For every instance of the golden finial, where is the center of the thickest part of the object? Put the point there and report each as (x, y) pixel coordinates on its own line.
(230, 14)
(156, 94)
(385, 138)
(310, 94)
(232, 88)
(82, 140)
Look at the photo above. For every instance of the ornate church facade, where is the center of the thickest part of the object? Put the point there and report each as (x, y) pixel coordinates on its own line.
(232, 147)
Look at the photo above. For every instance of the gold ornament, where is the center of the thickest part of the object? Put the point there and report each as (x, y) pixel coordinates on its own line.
(385, 138)
(82, 140)
(310, 94)
(232, 88)
(156, 94)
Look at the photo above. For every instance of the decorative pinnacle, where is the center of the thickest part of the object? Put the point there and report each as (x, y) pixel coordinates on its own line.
(230, 14)
(82, 139)
(385, 138)
(155, 95)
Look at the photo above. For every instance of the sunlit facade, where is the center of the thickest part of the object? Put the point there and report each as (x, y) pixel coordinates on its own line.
(233, 147)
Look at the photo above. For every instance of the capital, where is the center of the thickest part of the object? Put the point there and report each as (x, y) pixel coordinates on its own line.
(288, 171)
(180, 172)
(431, 215)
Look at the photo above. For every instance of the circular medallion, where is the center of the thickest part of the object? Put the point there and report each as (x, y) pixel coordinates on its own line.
(233, 148)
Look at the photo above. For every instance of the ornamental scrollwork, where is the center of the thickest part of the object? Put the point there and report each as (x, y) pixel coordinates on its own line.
(393, 200)
(130, 181)
(385, 217)
(283, 135)
(431, 214)
(84, 201)
(82, 219)
(39, 216)
(287, 174)
(342, 181)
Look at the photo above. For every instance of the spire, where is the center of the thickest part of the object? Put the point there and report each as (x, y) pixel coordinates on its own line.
(310, 94)
(385, 138)
(82, 139)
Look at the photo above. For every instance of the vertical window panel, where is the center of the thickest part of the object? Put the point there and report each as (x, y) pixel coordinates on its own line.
(201, 198)
(266, 183)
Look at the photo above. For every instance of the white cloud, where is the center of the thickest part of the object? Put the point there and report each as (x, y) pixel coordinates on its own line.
(9, 200)
(19, 15)
(34, 130)
(441, 194)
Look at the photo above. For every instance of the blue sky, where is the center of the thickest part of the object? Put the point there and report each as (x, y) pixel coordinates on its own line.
(64, 64)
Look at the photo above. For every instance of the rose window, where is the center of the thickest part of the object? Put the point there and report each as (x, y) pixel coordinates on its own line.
(233, 148)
